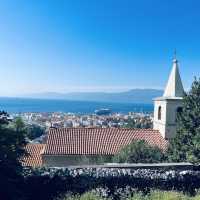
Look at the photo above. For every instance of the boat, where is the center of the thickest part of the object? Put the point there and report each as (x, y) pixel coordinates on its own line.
(103, 111)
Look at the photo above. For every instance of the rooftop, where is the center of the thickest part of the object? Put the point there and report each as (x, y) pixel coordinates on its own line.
(97, 141)
(33, 158)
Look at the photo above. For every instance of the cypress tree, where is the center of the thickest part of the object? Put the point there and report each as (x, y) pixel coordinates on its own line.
(185, 147)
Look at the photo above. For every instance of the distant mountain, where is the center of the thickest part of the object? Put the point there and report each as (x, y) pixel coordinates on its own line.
(131, 96)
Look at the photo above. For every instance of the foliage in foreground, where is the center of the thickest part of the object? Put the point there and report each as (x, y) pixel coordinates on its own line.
(153, 195)
(186, 145)
(139, 152)
(115, 182)
(12, 142)
(33, 131)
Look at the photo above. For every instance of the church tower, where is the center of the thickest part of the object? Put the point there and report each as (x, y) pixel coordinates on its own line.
(167, 106)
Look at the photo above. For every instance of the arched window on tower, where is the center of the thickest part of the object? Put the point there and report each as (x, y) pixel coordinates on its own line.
(179, 110)
(159, 112)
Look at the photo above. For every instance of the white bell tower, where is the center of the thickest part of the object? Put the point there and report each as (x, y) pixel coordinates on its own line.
(167, 106)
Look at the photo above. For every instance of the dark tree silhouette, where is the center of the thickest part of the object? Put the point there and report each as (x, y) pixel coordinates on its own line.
(186, 145)
(12, 142)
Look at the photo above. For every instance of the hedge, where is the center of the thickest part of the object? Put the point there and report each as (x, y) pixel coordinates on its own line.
(48, 183)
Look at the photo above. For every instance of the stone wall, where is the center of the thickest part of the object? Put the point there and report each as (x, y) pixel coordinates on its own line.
(140, 177)
(63, 160)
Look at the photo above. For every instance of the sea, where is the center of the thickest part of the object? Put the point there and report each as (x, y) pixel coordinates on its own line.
(22, 105)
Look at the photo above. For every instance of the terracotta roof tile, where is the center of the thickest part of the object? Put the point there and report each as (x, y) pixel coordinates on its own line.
(97, 141)
(33, 158)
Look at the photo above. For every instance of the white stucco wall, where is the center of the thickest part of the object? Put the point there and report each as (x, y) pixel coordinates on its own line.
(167, 124)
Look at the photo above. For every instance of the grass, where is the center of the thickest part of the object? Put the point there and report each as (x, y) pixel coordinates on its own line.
(154, 195)
(86, 196)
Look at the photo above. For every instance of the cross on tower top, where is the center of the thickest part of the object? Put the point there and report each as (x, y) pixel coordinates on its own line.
(175, 55)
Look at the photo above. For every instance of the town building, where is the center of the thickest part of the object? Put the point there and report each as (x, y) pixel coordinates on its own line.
(78, 146)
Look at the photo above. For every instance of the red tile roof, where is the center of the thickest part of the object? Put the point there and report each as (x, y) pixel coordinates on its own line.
(33, 158)
(97, 141)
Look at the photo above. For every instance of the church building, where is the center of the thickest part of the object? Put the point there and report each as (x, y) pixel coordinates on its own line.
(79, 146)
(167, 106)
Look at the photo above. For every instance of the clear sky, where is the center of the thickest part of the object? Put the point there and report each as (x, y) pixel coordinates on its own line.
(96, 45)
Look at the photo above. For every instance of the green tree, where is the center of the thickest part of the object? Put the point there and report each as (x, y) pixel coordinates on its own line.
(34, 131)
(144, 122)
(186, 144)
(18, 124)
(139, 152)
(130, 123)
(12, 142)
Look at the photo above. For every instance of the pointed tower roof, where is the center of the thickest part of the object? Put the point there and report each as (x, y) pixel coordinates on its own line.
(174, 86)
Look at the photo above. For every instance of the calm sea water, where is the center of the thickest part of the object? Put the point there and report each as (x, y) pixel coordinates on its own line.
(16, 105)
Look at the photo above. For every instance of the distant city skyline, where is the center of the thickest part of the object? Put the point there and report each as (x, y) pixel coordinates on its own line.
(96, 46)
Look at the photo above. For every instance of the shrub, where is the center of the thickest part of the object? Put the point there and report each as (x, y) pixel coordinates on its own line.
(139, 152)
(114, 181)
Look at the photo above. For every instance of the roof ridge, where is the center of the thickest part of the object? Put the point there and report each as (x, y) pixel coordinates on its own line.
(100, 128)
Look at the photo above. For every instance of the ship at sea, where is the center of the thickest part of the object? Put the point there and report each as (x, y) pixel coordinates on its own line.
(102, 111)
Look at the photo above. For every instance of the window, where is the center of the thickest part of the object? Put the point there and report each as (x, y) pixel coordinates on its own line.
(179, 110)
(159, 113)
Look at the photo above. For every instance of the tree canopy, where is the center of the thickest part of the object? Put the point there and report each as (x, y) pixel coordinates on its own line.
(34, 131)
(144, 122)
(186, 144)
(139, 152)
(12, 142)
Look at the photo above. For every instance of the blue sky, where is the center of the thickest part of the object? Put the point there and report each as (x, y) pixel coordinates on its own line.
(96, 45)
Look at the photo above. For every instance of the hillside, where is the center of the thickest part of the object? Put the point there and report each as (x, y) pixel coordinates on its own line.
(131, 96)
